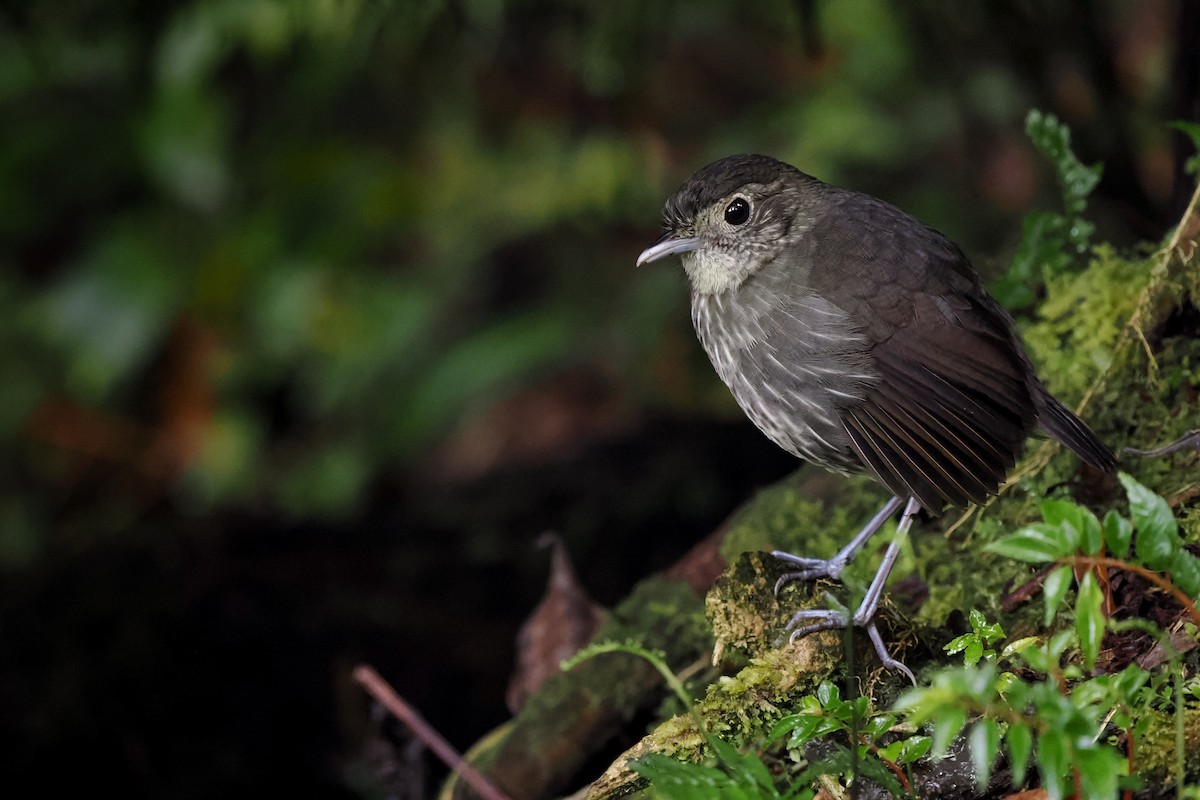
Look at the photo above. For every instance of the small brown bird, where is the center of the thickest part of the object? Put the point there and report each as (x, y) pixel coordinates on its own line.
(860, 339)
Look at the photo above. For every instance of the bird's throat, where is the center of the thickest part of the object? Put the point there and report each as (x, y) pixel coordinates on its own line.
(713, 271)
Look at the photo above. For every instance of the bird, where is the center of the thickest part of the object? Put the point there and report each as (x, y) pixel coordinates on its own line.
(859, 339)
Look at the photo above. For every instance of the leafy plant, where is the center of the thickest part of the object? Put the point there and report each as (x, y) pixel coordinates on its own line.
(732, 773)
(1035, 719)
(1031, 699)
(1050, 241)
(1067, 723)
(976, 644)
(825, 713)
(1072, 536)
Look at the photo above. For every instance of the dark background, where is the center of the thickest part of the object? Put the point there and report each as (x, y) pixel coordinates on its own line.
(316, 313)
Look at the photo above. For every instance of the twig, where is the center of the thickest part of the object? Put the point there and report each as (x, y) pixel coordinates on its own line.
(1162, 583)
(379, 689)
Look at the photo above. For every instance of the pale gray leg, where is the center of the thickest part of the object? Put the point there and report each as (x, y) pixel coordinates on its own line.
(864, 617)
(813, 568)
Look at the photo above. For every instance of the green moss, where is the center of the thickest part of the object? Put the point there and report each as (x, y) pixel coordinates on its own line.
(1189, 525)
(661, 614)
(812, 512)
(1078, 326)
(1155, 755)
(741, 606)
(1122, 336)
(741, 707)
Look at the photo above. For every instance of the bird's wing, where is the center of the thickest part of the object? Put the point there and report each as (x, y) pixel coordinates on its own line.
(952, 407)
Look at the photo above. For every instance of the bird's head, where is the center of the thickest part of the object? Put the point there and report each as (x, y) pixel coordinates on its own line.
(734, 216)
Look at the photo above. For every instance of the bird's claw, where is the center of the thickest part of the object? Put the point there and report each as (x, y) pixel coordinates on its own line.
(834, 620)
(864, 617)
(810, 569)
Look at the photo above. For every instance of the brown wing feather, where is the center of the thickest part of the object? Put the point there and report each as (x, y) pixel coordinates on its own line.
(944, 440)
(948, 416)
(952, 405)
(955, 396)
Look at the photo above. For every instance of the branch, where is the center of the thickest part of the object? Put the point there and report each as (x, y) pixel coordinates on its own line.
(379, 689)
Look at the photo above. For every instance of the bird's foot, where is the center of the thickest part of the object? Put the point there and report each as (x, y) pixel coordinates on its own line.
(813, 568)
(864, 616)
(810, 568)
(828, 619)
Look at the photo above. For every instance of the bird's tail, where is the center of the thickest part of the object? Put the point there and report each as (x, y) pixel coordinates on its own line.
(1057, 420)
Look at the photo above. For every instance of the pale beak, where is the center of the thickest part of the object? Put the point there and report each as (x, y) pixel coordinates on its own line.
(669, 244)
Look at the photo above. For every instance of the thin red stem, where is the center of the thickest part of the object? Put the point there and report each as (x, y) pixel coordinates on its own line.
(379, 689)
(1153, 577)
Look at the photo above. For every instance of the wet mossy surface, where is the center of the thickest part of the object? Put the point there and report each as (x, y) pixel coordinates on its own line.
(1121, 342)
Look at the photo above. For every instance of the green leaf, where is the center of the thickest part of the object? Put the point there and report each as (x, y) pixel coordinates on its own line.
(879, 725)
(972, 644)
(855, 711)
(1036, 543)
(1056, 512)
(723, 750)
(680, 780)
(1041, 244)
(1054, 761)
(984, 741)
(1185, 572)
(1092, 534)
(959, 643)
(1077, 180)
(801, 728)
(1058, 644)
(1020, 742)
(1054, 590)
(1158, 532)
(1048, 239)
(1131, 679)
(1099, 771)
(1118, 532)
(988, 631)
(809, 728)
(1089, 619)
(906, 751)
(915, 748)
(746, 769)
(947, 722)
(1047, 657)
(1018, 646)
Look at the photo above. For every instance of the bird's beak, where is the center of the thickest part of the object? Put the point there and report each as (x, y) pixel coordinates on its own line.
(668, 245)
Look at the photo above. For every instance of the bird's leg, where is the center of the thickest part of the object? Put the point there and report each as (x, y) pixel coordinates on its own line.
(1189, 439)
(864, 617)
(812, 568)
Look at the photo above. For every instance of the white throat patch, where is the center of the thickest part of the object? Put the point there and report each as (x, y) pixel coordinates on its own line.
(712, 272)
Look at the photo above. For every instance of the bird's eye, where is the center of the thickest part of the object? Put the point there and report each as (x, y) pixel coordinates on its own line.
(738, 211)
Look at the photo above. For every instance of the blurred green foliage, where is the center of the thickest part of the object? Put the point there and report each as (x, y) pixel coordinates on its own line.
(261, 252)
(270, 261)
(1052, 242)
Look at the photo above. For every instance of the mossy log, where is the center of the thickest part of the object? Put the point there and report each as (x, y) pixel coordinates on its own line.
(1119, 341)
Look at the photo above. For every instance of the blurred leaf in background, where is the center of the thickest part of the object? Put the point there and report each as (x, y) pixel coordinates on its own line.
(265, 256)
(385, 216)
